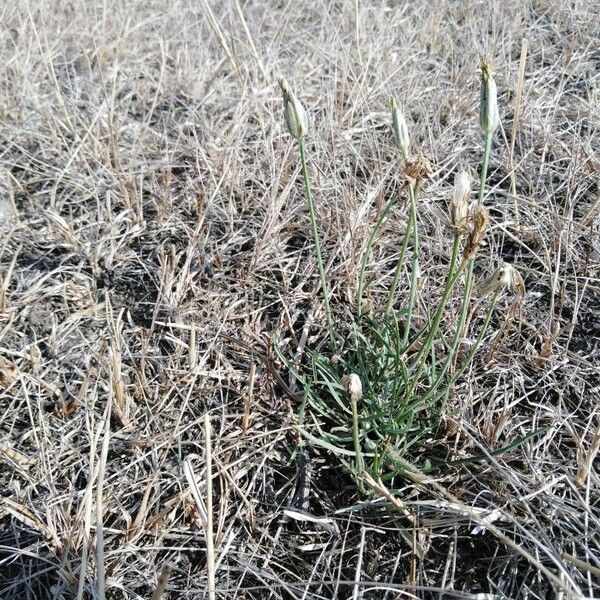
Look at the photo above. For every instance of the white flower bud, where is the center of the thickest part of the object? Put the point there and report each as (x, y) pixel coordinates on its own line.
(353, 385)
(489, 117)
(295, 116)
(400, 128)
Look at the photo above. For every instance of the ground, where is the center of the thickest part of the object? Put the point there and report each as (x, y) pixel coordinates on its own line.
(155, 242)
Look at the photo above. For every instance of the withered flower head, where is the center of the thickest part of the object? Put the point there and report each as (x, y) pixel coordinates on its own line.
(505, 276)
(459, 209)
(478, 225)
(418, 169)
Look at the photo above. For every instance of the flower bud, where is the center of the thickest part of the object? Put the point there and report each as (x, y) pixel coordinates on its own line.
(459, 210)
(400, 128)
(295, 116)
(489, 118)
(353, 385)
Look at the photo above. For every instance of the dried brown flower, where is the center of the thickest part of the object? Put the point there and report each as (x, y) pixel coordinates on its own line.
(418, 169)
(478, 225)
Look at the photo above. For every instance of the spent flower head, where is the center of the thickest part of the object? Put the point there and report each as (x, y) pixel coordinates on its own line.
(478, 222)
(489, 118)
(459, 209)
(295, 117)
(504, 277)
(418, 169)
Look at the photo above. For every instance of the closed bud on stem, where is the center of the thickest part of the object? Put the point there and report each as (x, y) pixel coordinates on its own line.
(459, 210)
(353, 386)
(489, 118)
(400, 128)
(295, 117)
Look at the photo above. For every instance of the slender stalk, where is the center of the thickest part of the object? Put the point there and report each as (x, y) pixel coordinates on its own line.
(484, 166)
(469, 277)
(367, 253)
(464, 310)
(515, 126)
(469, 359)
(412, 223)
(355, 436)
(454, 348)
(398, 271)
(317, 242)
(415, 266)
(450, 281)
(210, 542)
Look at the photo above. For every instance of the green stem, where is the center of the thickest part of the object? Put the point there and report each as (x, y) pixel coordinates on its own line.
(469, 278)
(464, 309)
(450, 281)
(484, 166)
(355, 436)
(471, 355)
(415, 266)
(313, 223)
(455, 344)
(412, 227)
(398, 271)
(367, 253)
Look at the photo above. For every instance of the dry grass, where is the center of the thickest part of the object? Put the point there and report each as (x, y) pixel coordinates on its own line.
(155, 238)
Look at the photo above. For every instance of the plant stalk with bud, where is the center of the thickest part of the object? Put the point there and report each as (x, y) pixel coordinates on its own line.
(353, 386)
(489, 119)
(295, 118)
(409, 372)
(416, 171)
(400, 131)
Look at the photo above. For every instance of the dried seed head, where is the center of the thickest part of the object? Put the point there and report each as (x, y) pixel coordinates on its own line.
(489, 118)
(400, 128)
(8, 372)
(505, 276)
(479, 218)
(418, 169)
(514, 281)
(295, 117)
(459, 209)
(353, 385)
